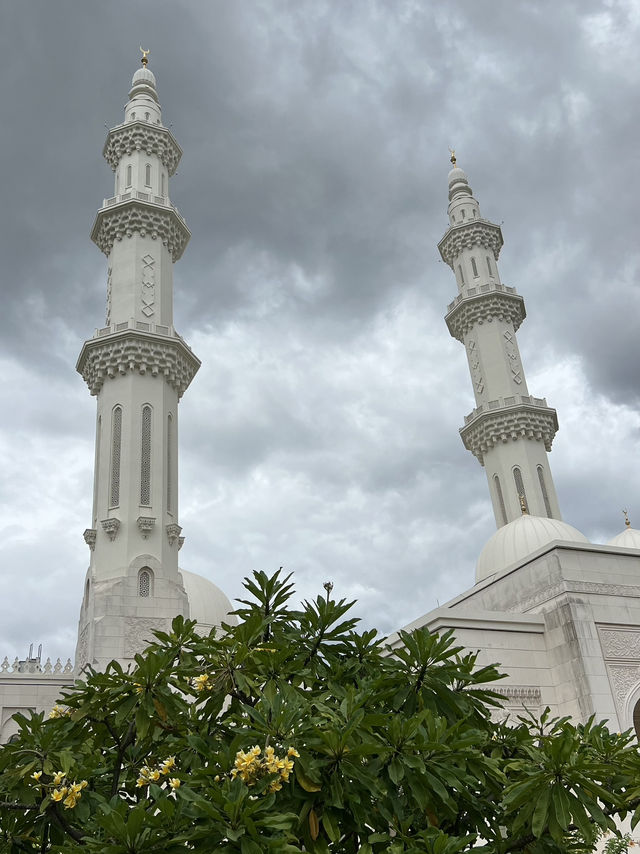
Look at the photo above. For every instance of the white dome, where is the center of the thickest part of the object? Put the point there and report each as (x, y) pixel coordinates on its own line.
(627, 539)
(208, 605)
(520, 538)
(144, 75)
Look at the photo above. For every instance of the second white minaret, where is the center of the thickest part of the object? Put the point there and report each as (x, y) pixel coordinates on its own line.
(138, 367)
(509, 431)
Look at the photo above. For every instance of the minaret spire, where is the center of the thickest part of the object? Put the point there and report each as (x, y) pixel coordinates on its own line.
(138, 367)
(509, 431)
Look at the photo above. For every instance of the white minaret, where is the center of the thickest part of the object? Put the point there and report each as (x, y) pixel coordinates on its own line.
(509, 432)
(138, 367)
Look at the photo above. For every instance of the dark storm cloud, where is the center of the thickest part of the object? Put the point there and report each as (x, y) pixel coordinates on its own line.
(321, 431)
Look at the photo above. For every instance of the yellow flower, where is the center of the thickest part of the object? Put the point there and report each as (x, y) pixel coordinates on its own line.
(293, 752)
(58, 794)
(58, 777)
(59, 712)
(216, 779)
(201, 683)
(139, 688)
(174, 782)
(141, 782)
(36, 776)
(155, 774)
(168, 764)
(70, 801)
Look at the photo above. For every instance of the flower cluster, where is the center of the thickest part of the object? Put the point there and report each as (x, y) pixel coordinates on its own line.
(152, 775)
(62, 789)
(201, 683)
(59, 712)
(252, 766)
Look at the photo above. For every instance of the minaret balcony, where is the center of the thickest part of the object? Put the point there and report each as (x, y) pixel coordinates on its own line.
(481, 305)
(129, 347)
(506, 419)
(135, 212)
(139, 135)
(467, 235)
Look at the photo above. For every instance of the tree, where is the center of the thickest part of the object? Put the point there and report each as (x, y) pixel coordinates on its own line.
(292, 731)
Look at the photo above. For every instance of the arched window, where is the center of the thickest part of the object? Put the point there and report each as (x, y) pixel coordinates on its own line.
(145, 582)
(147, 175)
(86, 592)
(146, 117)
(522, 495)
(129, 175)
(545, 494)
(474, 268)
(461, 274)
(489, 268)
(169, 463)
(503, 509)
(162, 185)
(116, 448)
(145, 457)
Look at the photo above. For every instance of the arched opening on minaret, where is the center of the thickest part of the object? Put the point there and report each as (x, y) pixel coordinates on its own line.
(116, 447)
(147, 175)
(145, 457)
(522, 495)
(145, 582)
(169, 463)
(545, 494)
(503, 509)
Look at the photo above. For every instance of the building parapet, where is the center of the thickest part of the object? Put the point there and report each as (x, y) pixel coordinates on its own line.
(35, 667)
(505, 402)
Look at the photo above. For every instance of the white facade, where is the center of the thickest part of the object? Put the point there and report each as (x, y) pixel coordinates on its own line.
(560, 615)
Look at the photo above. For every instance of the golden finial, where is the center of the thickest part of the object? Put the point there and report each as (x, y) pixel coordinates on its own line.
(627, 523)
(145, 54)
(453, 157)
(523, 505)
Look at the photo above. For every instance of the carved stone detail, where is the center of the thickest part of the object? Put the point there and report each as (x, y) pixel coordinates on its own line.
(511, 351)
(90, 535)
(146, 525)
(111, 527)
(467, 311)
(180, 542)
(620, 643)
(173, 532)
(82, 656)
(623, 678)
(109, 286)
(519, 695)
(131, 351)
(147, 295)
(132, 216)
(142, 136)
(474, 365)
(478, 232)
(508, 422)
(138, 633)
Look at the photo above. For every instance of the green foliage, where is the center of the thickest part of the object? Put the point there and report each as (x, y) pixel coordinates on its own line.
(360, 752)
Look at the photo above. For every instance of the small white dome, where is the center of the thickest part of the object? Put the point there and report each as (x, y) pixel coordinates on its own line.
(144, 75)
(208, 605)
(627, 539)
(520, 538)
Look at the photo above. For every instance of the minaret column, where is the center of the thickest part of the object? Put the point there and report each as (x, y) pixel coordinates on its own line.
(138, 368)
(509, 431)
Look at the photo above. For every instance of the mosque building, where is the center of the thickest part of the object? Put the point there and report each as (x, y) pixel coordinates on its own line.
(559, 614)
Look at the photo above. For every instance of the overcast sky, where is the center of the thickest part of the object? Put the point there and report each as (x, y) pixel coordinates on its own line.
(321, 432)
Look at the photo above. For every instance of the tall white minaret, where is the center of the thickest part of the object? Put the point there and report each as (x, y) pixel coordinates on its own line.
(138, 367)
(509, 431)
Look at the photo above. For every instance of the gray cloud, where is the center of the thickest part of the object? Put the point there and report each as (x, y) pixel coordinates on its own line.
(321, 431)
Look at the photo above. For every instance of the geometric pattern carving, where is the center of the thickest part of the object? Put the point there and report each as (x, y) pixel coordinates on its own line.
(145, 459)
(108, 320)
(130, 351)
(477, 233)
(132, 216)
(142, 136)
(110, 527)
(620, 644)
(173, 532)
(138, 633)
(116, 447)
(623, 678)
(467, 311)
(505, 422)
(511, 350)
(516, 695)
(474, 364)
(148, 285)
